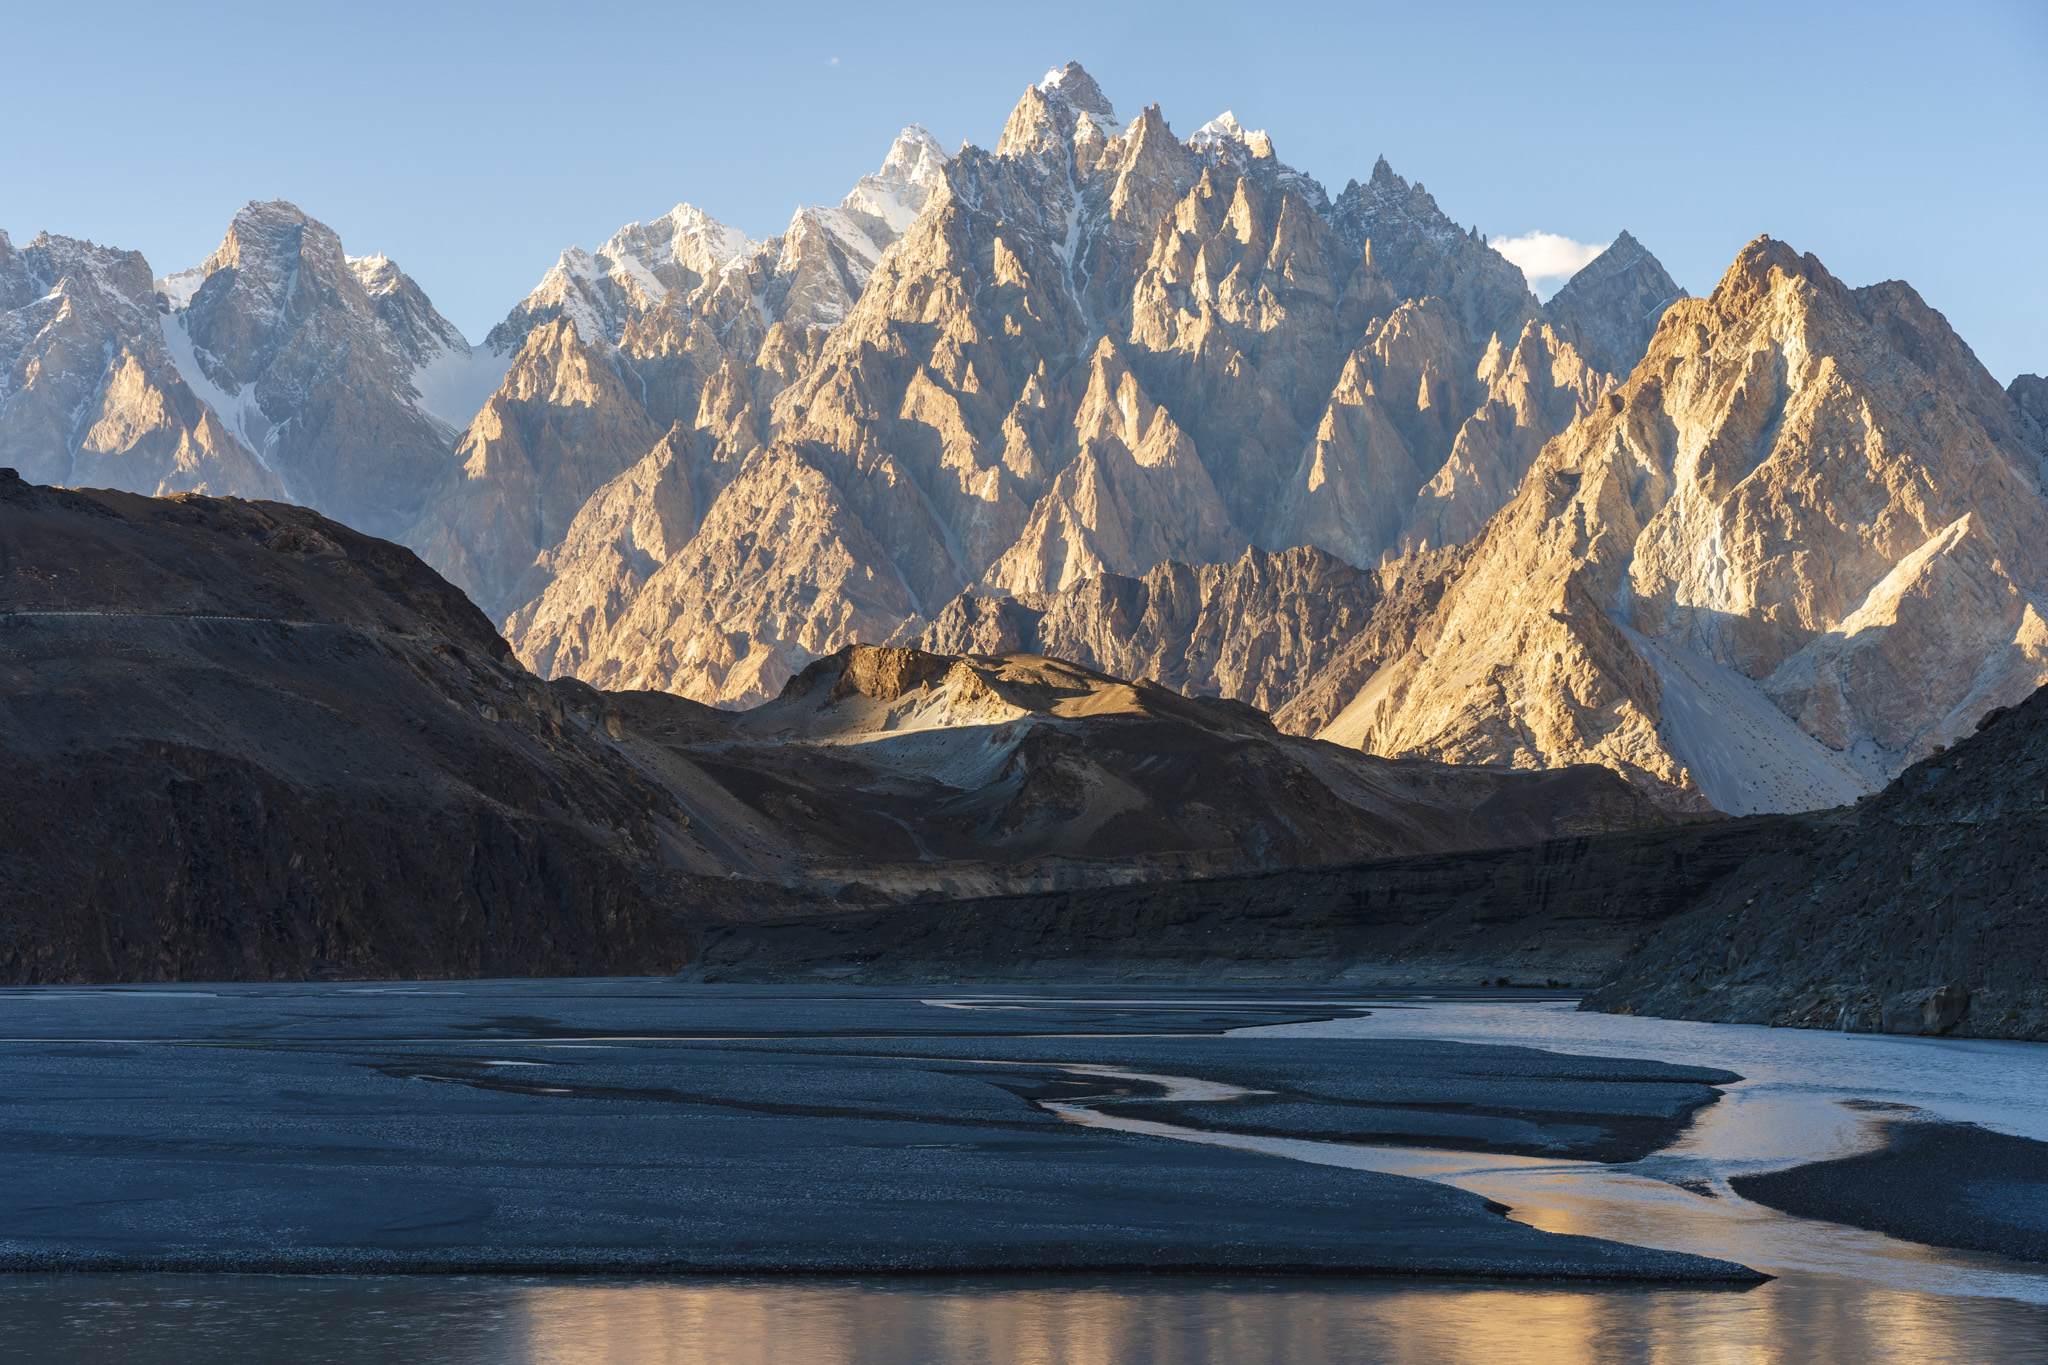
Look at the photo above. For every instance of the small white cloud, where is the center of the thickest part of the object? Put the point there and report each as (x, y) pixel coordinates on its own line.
(1547, 259)
(833, 62)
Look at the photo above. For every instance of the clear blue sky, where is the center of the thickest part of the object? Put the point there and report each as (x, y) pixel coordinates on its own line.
(472, 142)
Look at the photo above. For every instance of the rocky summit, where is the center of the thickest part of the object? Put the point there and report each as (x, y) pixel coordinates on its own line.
(1798, 550)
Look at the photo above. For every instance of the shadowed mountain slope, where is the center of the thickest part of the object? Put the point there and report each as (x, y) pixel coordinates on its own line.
(244, 741)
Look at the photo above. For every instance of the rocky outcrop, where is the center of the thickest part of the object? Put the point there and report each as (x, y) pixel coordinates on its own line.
(1531, 392)
(90, 392)
(1799, 549)
(1252, 630)
(562, 425)
(1917, 913)
(906, 771)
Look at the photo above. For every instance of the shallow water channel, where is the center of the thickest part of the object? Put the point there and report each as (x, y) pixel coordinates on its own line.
(1841, 1294)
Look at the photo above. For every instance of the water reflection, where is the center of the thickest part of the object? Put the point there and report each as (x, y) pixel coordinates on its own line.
(1012, 1321)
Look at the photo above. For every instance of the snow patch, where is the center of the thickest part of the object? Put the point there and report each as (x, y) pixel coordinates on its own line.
(180, 288)
(898, 192)
(1221, 129)
(238, 411)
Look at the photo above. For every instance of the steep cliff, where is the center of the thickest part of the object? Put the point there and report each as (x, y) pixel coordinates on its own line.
(1802, 547)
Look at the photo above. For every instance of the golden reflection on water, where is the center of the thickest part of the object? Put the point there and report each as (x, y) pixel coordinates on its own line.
(1244, 1323)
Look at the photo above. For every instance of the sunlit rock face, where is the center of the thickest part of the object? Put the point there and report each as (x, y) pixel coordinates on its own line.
(1801, 547)
(699, 327)
(1094, 350)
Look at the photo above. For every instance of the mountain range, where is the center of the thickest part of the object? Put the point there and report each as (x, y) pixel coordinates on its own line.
(1159, 406)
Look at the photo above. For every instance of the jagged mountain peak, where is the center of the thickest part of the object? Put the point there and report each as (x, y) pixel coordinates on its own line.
(88, 391)
(49, 259)
(376, 271)
(1051, 114)
(335, 371)
(894, 195)
(687, 236)
(1609, 310)
(1421, 252)
(1074, 85)
(1758, 266)
(1386, 193)
(1749, 578)
(266, 232)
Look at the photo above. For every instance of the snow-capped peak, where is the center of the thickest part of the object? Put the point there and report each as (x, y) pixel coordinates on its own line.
(1223, 128)
(377, 273)
(685, 236)
(1074, 87)
(897, 193)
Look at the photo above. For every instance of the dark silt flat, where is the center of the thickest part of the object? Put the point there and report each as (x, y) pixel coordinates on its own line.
(543, 1126)
(1937, 1183)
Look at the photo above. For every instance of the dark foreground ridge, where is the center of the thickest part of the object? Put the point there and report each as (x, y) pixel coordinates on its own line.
(241, 741)
(1561, 913)
(1941, 1184)
(244, 742)
(1924, 912)
(1917, 911)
